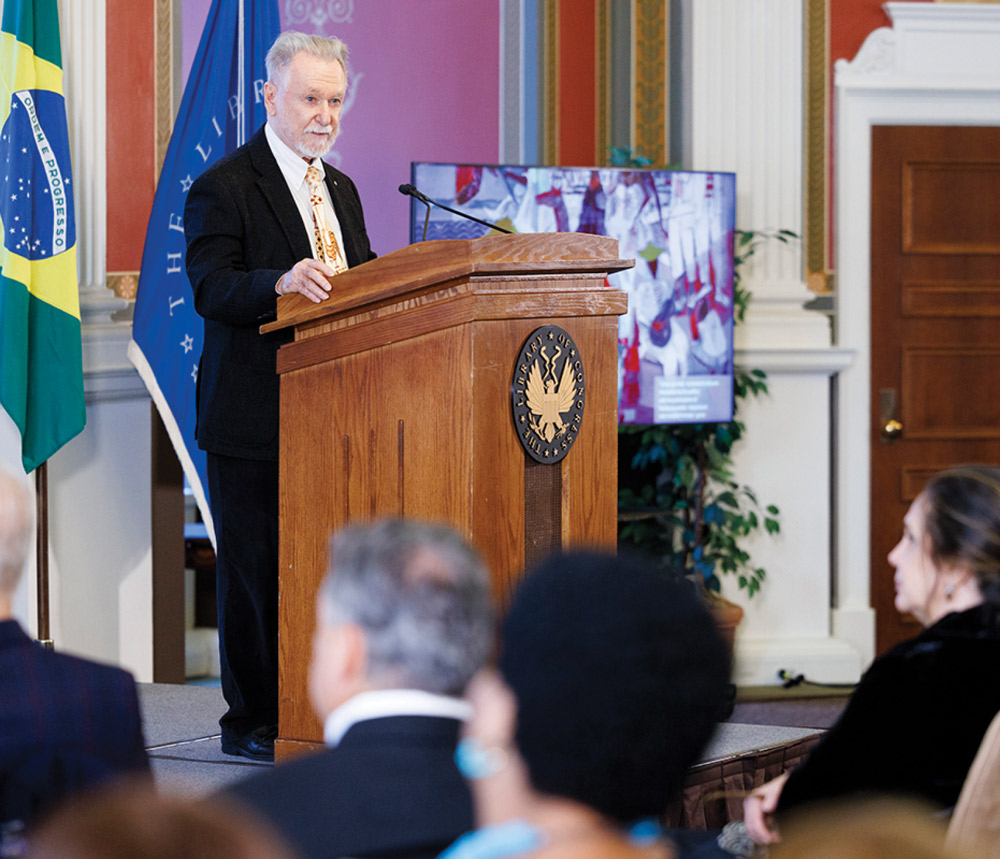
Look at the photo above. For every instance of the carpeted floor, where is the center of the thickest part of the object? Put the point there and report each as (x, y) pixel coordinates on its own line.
(181, 725)
(182, 733)
(798, 709)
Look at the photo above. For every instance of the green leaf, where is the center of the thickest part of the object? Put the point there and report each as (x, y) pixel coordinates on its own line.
(728, 499)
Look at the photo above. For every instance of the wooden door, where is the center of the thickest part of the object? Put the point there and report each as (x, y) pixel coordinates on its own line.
(935, 293)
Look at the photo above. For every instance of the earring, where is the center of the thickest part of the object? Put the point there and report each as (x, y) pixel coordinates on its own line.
(949, 591)
(475, 761)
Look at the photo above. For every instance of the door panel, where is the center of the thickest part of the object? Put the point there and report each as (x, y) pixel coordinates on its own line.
(941, 401)
(935, 325)
(950, 207)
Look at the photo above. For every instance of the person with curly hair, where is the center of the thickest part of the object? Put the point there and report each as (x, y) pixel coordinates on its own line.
(610, 682)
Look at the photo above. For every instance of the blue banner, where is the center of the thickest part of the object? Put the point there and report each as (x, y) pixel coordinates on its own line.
(223, 105)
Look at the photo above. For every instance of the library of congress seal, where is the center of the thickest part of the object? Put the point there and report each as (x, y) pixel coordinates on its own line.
(547, 394)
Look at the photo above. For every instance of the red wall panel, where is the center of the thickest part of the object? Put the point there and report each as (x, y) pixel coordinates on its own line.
(850, 23)
(577, 82)
(131, 129)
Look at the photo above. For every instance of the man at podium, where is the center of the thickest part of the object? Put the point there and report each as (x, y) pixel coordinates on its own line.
(268, 219)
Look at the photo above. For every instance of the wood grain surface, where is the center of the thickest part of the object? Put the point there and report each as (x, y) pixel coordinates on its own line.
(400, 405)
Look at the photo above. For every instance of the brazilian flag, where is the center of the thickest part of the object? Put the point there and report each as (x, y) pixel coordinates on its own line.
(41, 361)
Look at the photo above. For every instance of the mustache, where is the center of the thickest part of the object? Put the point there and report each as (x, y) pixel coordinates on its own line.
(319, 129)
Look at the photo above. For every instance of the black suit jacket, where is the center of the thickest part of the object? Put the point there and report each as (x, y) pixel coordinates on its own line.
(65, 724)
(391, 788)
(243, 232)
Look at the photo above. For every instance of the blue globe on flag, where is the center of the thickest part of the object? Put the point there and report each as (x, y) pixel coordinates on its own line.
(36, 206)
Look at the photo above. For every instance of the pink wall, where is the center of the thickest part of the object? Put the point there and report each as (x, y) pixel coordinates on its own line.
(193, 15)
(419, 91)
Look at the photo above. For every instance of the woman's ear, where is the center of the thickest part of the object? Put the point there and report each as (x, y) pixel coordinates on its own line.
(958, 585)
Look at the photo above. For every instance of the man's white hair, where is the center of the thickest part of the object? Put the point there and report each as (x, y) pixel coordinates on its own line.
(291, 42)
(421, 595)
(15, 530)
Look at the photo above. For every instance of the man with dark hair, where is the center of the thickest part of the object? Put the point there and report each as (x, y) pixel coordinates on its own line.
(611, 648)
(403, 621)
(65, 723)
(268, 219)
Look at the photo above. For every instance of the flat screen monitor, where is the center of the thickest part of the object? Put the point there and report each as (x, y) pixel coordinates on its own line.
(675, 343)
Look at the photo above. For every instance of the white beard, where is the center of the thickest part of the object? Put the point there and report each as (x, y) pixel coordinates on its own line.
(312, 145)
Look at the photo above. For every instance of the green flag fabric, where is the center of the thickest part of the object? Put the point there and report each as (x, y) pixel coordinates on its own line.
(41, 361)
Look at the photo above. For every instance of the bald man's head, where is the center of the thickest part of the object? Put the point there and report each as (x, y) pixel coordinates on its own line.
(15, 534)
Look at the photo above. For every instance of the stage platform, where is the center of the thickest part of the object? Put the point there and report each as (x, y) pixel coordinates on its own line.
(182, 736)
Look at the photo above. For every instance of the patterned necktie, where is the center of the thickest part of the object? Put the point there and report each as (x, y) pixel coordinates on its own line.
(327, 248)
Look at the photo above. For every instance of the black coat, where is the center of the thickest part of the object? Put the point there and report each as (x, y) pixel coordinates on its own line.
(65, 724)
(915, 721)
(389, 788)
(243, 232)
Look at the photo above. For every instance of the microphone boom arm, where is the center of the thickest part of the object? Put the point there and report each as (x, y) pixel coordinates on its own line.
(410, 191)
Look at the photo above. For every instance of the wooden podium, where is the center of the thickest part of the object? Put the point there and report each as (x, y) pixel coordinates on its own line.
(396, 401)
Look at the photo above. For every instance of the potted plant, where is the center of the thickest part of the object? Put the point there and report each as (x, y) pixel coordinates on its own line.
(678, 500)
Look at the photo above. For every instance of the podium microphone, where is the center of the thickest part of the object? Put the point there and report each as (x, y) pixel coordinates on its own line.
(410, 191)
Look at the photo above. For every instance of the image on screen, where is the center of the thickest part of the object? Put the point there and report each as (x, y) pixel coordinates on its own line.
(675, 343)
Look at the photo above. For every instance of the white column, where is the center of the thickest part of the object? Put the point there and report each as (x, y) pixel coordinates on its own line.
(746, 78)
(82, 30)
(747, 117)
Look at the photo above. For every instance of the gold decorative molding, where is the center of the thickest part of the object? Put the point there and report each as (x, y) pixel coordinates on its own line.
(124, 284)
(164, 80)
(817, 154)
(602, 30)
(650, 88)
(550, 139)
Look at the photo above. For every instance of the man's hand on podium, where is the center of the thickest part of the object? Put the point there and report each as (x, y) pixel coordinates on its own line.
(308, 277)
